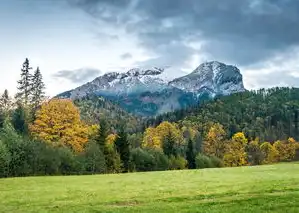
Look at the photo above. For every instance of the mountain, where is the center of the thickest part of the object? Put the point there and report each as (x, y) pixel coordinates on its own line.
(214, 78)
(146, 92)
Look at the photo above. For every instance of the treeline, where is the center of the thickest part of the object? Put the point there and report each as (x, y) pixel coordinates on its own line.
(268, 114)
(49, 137)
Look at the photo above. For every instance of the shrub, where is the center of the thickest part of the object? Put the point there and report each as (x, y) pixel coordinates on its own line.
(94, 159)
(177, 163)
(203, 161)
(216, 162)
(161, 160)
(141, 160)
(4, 160)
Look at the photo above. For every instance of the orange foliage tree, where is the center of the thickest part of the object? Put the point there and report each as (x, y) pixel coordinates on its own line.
(58, 123)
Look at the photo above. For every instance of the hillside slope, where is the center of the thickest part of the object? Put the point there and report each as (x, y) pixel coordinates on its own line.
(269, 114)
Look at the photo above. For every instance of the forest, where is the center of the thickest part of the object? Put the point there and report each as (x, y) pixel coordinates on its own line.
(40, 136)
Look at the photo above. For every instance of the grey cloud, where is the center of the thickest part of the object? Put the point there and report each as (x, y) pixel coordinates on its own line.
(237, 31)
(79, 75)
(273, 79)
(126, 56)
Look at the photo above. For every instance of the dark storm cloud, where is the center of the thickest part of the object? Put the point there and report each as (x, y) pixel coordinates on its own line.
(242, 32)
(78, 75)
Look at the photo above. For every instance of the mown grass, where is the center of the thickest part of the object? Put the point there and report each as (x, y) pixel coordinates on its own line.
(271, 188)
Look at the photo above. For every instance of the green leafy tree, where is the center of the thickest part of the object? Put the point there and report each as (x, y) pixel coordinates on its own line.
(94, 159)
(20, 119)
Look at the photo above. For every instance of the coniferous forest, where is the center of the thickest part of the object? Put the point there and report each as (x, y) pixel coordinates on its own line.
(42, 136)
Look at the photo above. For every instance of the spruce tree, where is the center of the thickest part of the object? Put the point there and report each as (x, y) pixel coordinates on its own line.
(5, 107)
(168, 146)
(190, 155)
(102, 135)
(5, 101)
(24, 84)
(123, 148)
(37, 89)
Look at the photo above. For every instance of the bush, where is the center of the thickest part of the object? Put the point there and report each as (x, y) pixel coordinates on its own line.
(94, 159)
(4, 160)
(203, 161)
(69, 162)
(161, 160)
(141, 160)
(177, 163)
(216, 162)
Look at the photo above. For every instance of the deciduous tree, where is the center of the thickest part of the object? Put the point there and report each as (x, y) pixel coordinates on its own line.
(235, 154)
(214, 143)
(58, 123)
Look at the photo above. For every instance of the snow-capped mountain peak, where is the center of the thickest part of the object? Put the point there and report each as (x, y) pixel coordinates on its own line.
(137, 89)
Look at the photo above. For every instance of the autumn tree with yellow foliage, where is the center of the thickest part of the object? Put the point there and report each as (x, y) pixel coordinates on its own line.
(286, 149)
(270, 153)
(58, 123)
(154, 137)
(235, 154)
(214, 144)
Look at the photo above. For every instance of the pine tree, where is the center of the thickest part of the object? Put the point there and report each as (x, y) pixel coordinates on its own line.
(123, 148)
(190, 154)
(169, 148)
(102, 135)
(5, 101)
(5, 107)
(37, 89)
(24, 84)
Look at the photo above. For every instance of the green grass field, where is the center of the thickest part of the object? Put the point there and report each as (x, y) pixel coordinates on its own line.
(271, 188)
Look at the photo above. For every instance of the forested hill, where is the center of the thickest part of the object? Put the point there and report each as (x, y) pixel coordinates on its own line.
(269, 114)
(94, 108)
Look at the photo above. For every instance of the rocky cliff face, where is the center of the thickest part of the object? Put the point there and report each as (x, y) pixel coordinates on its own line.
(213, 77)
(144, 92)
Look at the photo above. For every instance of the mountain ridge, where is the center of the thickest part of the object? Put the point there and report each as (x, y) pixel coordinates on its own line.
(140, 89)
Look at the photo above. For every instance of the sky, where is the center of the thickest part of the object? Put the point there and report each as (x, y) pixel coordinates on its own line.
(74, 41)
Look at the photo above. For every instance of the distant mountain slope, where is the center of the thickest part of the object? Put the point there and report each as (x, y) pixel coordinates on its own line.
(146, 93)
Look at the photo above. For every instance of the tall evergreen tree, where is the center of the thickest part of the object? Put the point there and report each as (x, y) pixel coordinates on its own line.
(5, 101)
(168, 145)
(190, 155)
(102, 135)
(123, 148)
(5, 107)
(24, 84)
(37, 89)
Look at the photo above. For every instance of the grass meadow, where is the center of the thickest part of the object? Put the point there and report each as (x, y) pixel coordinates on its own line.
(269, 188)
